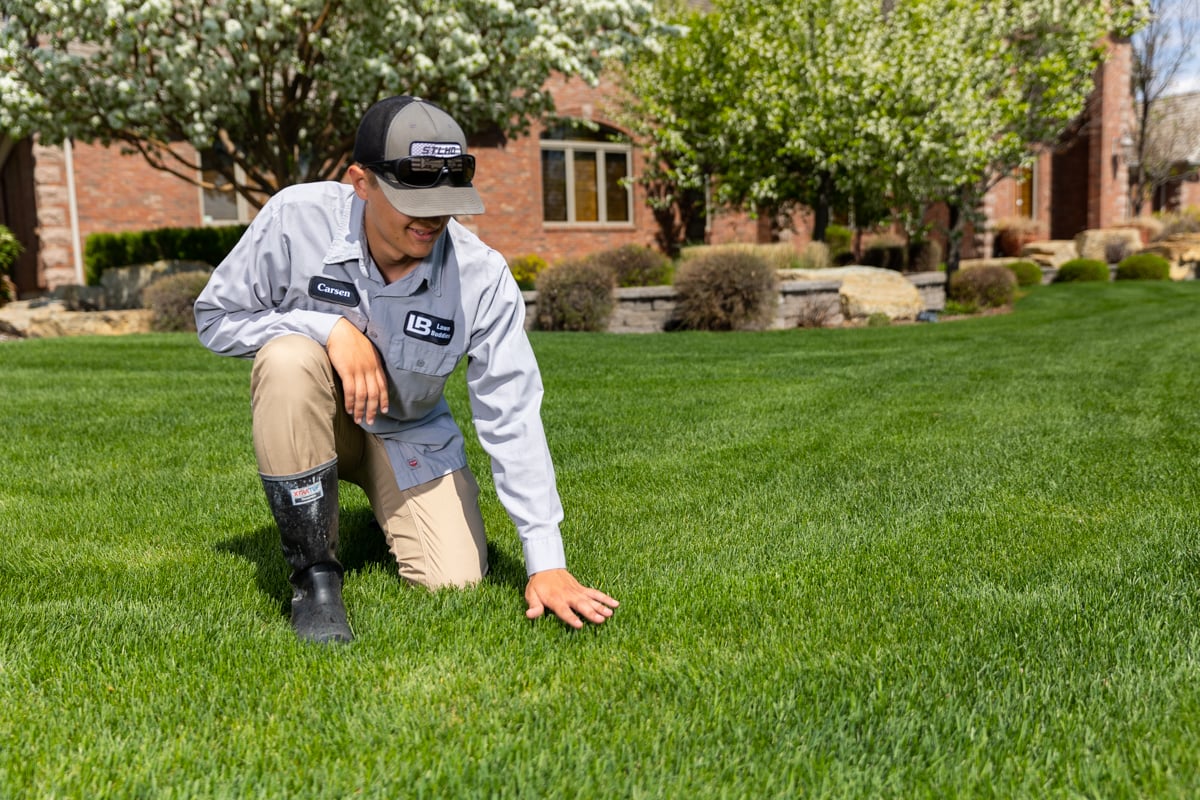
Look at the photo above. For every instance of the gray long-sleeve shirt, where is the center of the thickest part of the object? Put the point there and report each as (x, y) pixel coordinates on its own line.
(303, 264)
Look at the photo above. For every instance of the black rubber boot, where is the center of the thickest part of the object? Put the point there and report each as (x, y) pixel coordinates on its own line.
(318, 614)
(305, 507)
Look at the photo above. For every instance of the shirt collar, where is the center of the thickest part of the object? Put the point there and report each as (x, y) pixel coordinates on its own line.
(349, 242)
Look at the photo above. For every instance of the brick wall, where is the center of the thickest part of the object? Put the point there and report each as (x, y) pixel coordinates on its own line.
(113, 193)
(123, 193)
(510, 181)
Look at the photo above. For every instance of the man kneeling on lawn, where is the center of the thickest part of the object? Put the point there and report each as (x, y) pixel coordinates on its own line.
(356, 301)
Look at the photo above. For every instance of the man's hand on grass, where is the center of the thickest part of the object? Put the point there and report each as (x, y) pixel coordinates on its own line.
(558, 591)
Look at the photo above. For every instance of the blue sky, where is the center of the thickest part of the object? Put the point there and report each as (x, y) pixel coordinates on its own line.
(1188, 12)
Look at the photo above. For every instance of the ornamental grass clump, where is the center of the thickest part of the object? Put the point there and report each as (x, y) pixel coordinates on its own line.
(575, 295)
(1028, 273)
(1144, 267)
(1082, 269)
(977, 288)
(635, 265)
(726, 291)
(173, 298)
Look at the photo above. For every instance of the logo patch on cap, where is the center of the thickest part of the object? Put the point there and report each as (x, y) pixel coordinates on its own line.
(329, 290)
(436, 149)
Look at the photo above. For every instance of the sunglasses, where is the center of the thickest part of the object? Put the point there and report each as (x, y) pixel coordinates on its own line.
(423, 172)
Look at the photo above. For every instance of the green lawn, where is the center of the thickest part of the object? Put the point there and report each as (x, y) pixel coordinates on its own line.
(947, 560)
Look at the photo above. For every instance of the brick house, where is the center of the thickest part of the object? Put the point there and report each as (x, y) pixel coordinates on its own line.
(1083, 182)
(1174, 142)
(555, 193)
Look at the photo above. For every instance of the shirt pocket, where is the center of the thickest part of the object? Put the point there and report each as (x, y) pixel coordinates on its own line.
(418, 371)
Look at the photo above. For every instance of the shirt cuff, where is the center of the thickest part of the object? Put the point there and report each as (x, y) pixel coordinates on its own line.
(544, 553)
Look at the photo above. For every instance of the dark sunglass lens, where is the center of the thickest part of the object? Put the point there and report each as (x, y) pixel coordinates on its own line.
(420, 172)
(462, 170)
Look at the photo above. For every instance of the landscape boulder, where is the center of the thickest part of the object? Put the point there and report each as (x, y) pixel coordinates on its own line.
(1183, 251)
(1051, 252)
(38, 319)
(1094, 243)
(864, 291)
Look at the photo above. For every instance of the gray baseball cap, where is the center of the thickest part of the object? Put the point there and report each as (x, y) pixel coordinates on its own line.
(420, 155)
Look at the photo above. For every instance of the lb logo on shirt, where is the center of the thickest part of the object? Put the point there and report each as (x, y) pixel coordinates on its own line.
(331, 291)
(429, 328)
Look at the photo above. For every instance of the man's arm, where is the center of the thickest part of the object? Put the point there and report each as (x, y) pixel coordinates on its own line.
(360, 368)
(506, 392)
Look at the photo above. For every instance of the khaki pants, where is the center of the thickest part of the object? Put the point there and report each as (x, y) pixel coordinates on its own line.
(434, 530)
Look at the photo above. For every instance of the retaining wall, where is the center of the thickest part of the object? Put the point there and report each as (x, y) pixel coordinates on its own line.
(802, 304)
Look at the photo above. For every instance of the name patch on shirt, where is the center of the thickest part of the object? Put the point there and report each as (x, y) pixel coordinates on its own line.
(331, 291)
(429, 328)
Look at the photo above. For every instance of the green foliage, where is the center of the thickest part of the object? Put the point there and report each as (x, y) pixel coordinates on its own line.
(924, 255)
(525, 270)
(635, 265)
(287, 81)
(840, 240)
(885, 252)
(10, 249)
(725, 291)
(210, 245)
(575, 295)
(878, 320)
(1028, 273)
(1082, 269)
(1144, 267)
(989, 286)
(172, 299)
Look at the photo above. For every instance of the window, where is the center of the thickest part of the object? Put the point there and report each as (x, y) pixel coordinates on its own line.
(219, 205)
(1026, 192)
(585, 175)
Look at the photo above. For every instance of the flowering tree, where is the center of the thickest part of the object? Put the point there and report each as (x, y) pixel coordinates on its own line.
(279, 85)
(872, 106)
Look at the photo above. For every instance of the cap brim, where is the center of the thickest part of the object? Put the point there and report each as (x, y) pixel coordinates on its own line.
(437, 201)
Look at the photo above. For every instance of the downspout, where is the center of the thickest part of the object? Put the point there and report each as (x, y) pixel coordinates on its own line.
(73, 205)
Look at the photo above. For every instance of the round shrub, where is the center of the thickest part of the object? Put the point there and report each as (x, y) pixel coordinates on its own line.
(525, 270)
(172, 298)
(1082, 269)
(635, 265)
(10, 251)
(725, 291)
(1144, 267)
(574, 296)
(982, 287)
(885, 252)
(1028, 273)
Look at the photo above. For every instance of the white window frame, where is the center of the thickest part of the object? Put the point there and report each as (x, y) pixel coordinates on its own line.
(602, 149)
(243, 207)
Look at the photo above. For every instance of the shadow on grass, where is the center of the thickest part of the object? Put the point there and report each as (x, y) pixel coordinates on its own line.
(361, 544)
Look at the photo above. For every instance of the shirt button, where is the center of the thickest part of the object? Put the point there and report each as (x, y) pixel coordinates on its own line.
(420, 363)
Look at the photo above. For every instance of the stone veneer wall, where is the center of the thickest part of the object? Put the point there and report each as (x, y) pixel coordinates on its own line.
(649, 309)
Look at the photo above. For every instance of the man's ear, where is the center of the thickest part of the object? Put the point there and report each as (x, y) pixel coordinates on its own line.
(359, 179)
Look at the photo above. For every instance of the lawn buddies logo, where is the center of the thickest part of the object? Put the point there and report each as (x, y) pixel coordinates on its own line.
(307, 494)
(435, 149)
(429, 329)
(331, 291)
